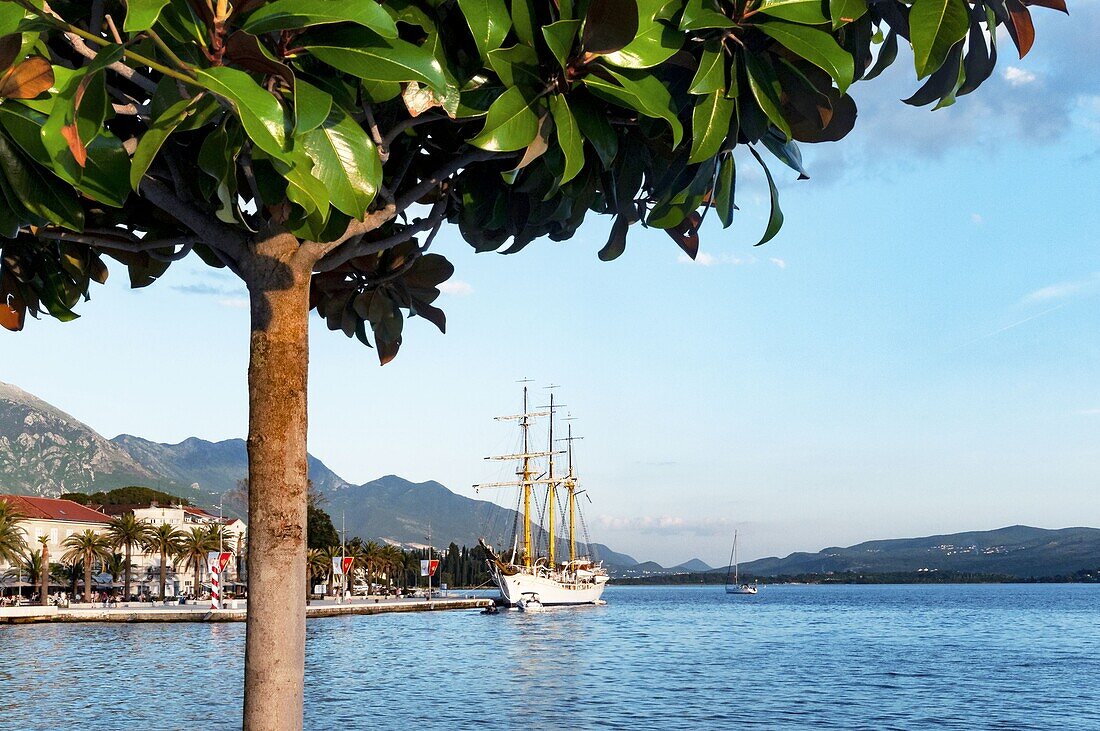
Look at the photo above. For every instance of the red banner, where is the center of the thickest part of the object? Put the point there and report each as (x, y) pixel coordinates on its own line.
(348, 561)
(223, 560)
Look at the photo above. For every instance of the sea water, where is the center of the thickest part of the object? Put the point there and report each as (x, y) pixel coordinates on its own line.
(791, 657)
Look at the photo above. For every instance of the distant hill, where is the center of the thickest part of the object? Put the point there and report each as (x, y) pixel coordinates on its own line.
(1019, 550)
(692, 565)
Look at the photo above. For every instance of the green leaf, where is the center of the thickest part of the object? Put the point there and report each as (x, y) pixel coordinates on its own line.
(641, 91)
(886, 56)
(295, 14)
(489, 22)
(609, 25)
(808, 12)
(525, 21)
(155, 136)
(935, 26)
(569, 137)
(765, 90)
(560, 37)
(311, 106)
(142, 14)
(364, 54)
(711, 74)
(261, 114)
(616, 240)
(517, 66)
(346, 162)
(510, 125)
(703, 14)
(724, 190)
(846, 11)
(775, 216)
(596, 130)
(710, 125)
(817, 47)
(655, 43)
(40, 195)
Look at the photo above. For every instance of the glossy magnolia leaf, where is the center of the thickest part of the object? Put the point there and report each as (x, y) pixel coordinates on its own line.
(560, 37)
(369, 56)
(517, 66)
(78, 112)
(935, 26)
(1020, 28)
(489, 22)
(710, 125)
(686, 234)
(943, 83)
(525, 21)
(980, 60)
(817, 47)
(654, 43)
(27, 79)
(724, 190)
(711, 73)
(569, 137)
(142, 14)
(775, 216)
(765, 89)
(345, 161)
(294, 14)
(263, 117)
(311, 106)
(616, 240)
(787, 152)
(846, 11)
(702, 15)
(510, 125)
(796, 11)
(609, 25)
(640, 91)
(886, 55)
(157, 134)
(41, 196)
(596, 130)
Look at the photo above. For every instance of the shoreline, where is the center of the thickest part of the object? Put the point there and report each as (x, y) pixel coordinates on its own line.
(191, 613)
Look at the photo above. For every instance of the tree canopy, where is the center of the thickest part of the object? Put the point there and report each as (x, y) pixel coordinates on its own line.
(151, 130)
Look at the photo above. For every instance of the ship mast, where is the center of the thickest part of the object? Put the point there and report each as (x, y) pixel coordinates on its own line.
(570, 482)
(550, 487)
(525, 423)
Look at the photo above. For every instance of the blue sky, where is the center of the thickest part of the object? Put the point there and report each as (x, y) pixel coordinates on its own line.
(916, 352)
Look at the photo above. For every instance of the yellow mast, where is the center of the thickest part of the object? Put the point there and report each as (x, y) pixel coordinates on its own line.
(550, 487)
(572, 497)
(526, 487)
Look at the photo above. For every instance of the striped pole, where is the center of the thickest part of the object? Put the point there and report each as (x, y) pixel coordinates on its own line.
(215, 591)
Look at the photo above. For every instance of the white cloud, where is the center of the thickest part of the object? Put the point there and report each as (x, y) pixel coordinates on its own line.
(238, 303)
(706, 260)
(457, 288)
(1017, 76)
(778, 262)
(1089, 412)
(1062, 290)
(703, 259)
(977, 218)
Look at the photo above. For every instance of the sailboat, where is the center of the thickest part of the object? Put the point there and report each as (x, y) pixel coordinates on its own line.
(524, 578)
(737, 587)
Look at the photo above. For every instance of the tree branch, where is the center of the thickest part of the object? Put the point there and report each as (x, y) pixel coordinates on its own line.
(209, 230)
(126, 72)
(363, 248)
(405, 124)
(107, 240)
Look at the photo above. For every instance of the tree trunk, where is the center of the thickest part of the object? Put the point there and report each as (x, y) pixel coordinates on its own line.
(88, 577)
(198, 579)
(126, 575)
(163, 572)
(278, 285)
(44, 598)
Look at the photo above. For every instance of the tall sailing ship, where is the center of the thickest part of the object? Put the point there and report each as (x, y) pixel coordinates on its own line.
(523, 576)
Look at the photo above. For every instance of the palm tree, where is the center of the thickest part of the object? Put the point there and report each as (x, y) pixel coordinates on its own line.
(394, 559)
(126, 531)
(89, 547)
(164, 539)
(12, 542)
(332, 552)
(44, 595)
(194, 545)
(317, 562)
(371, 560)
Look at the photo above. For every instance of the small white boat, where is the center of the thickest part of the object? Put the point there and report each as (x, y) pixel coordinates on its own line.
(737, 587)
(530, 602)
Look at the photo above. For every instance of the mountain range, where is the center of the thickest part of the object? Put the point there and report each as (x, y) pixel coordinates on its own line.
(45, 451)
(1020, 551)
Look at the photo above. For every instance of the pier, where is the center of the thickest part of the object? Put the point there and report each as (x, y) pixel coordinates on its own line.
(135, 612)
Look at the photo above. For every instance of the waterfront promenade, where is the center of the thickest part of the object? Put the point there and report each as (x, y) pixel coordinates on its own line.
(137, 612)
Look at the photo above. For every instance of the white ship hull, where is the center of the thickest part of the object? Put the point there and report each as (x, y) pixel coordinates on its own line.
(550, 591)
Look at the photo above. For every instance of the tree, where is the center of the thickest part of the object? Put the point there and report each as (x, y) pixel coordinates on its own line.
(88, 547)
(317, 563)
(193, 547)
(12, 539)
(126, 531)
(333, 139)
(166, 540)
(44, 594)
(320, 532)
